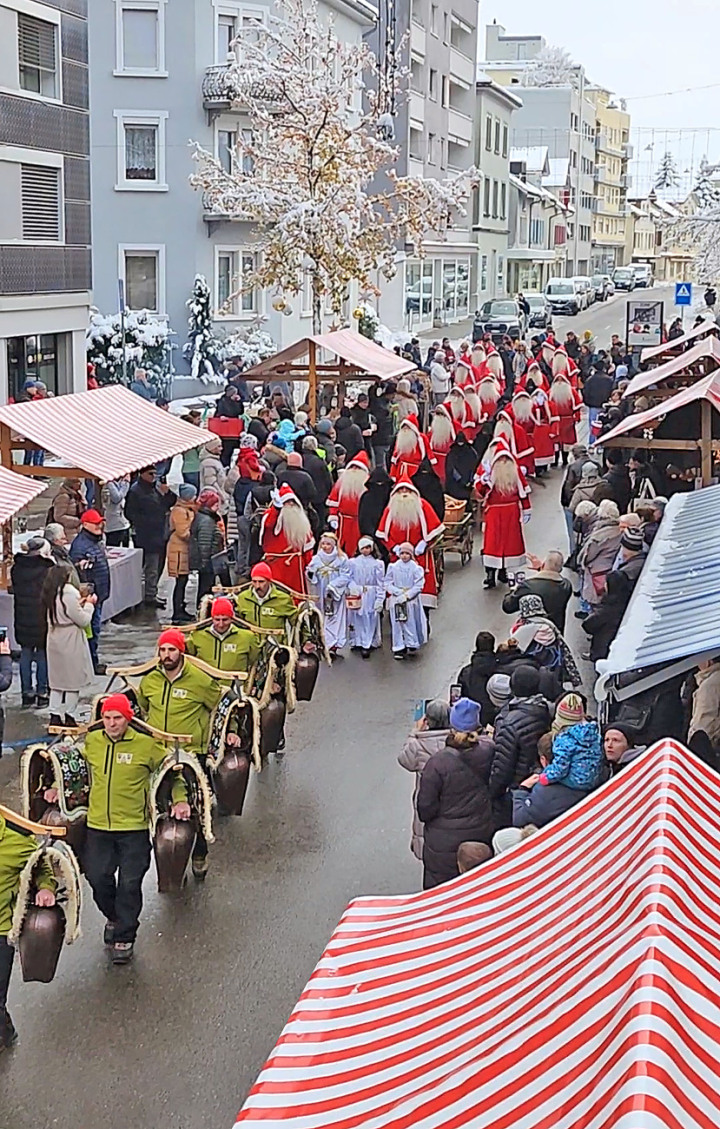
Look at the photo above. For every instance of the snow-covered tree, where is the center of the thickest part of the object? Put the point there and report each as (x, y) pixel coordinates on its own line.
(314, 173)
(247, 347)
(552, 66)
(667, 175)
(698, 229)
(202, 351)
(707, 188)
(368, 320)
(147, 345)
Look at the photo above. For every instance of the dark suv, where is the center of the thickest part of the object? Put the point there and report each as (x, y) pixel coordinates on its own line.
(501, 317)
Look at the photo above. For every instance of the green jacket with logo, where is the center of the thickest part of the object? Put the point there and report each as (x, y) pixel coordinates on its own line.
(236, 651)
(272, 614)
(16, 848)
(120, 773)
(181, 706)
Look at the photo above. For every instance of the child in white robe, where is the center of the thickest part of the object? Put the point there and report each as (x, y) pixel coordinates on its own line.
(404, 581)
(329, 576)
(367, 584)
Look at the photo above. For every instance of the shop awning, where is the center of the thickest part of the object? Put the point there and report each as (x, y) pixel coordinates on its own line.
(674, 614)
(572, 982)
(16, 492)
(106, 433)
(707, 388)
(667, 346)
(708, 348)
(365, 356)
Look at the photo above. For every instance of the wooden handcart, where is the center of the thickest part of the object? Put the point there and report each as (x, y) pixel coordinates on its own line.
(459, 532)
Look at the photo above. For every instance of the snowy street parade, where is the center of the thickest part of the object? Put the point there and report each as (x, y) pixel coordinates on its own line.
(359, 598)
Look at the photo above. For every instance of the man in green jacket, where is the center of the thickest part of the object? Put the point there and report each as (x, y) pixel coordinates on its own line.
(265, 606)
(176, 697)
(16, 848)
(223, 645)
(121, 760)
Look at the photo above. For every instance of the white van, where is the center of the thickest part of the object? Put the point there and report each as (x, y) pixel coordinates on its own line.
(565, 296)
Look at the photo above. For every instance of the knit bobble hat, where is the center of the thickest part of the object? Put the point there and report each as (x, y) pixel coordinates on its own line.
(632, 539)
(465, 716)
(498, 689)
(187, 492)
(117, 703)
(569, 712)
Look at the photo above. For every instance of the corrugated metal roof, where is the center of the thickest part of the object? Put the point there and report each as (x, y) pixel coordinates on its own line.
(709, 347)
(667, 346)
(16, 491)
(350, 346)
(107, 432)
(707, 388)
(674, 612)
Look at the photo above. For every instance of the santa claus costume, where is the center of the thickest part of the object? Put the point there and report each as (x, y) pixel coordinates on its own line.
(494, 366)
(463, 373)
(535, 374)
(542, 431)
(517, 439)
(489, 395)
(410, 449)
(344, 502)
(408, 517)
(441, 437)
(475, 415)
(478, 360)
(520, 409)
(506, 507)
(565, 405)
(562, 365)
(286, 540)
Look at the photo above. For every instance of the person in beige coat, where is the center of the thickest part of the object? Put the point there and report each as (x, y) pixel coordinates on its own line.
(597, 555)
(181, 518)
(69, 662)
(67, 506)
(428, 737)
(706, 702)
(212, 471)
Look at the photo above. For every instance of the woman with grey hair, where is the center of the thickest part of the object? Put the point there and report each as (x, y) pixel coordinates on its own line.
(55, 535)
(428, 737)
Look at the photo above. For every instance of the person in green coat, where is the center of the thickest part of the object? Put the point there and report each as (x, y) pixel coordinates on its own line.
(176, 697)
(223, 644)
(121, 759)
(265, 606)
(16, 848)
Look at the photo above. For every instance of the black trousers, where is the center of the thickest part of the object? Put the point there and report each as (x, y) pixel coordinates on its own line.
(115, 864)
(119, 537)
(178, 597)
(7, 952)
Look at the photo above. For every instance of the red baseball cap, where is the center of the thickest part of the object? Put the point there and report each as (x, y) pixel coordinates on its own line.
(93, 517)
(262, 571)
(117, 703)
(222, 606)
(173, 638)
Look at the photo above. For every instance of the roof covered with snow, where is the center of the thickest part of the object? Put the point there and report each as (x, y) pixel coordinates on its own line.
(534, 157)
(558, 170)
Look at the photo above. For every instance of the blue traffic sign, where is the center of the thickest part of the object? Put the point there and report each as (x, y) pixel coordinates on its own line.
(683, 293)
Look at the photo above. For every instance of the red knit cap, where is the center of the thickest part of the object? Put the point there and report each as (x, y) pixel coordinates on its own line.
(222, 606)
(261, 571)
(173, 638)
(117, 703)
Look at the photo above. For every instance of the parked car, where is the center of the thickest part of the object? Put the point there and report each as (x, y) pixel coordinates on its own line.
(585, 283)
(624, 278)
(600, 282)
(499, 317)
(540, 312)
(643, 275)
(564, 296)
(610, 285)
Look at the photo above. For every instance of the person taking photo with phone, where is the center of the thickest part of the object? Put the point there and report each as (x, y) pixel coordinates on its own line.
(69, 615)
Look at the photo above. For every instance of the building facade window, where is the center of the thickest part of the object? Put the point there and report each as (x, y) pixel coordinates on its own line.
(433, 85)
(505, 141)
(418, 291)
(38, 56)
(142, 269)
(483, 273)
(445, 91)
(431, 149)
(497, 135)
(140, 38)
(486, 198)
(41, 202)
(226, 142)
(232, 19)
(433, 19)
(141, 150)
(503, 201)
(488, 132)
(233, 265)
(495, 195)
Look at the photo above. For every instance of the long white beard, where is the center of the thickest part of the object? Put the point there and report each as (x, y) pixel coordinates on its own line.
(504, 477)
(405, 511)
(478, 357)
(406, 441)
(494, 363)
(442, 432)
(548, 352)
(457, 408)
(473, 402)
(559, 364)
(294, 525)
(522, 407)
(561, 393)
(352, 482)
(503, 430)
(488, 391)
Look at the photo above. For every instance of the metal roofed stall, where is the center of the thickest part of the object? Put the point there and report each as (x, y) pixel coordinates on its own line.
(705, 354)
(669, 349)
(673, 619)
(15, 494)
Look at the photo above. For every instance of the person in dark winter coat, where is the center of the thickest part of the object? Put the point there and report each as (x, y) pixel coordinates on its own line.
(538, 804)
(474, 677)
(382, 438)
(229, 406)
(360, 414)
(256, 503)
(259, 426)
(373, 503)
(147, 507)
(349, 435)
(518, 728)
(615, 483)
(602, 624)
(460, 466)
(596, 393)
(30, 567)
(299, 481)
(317, 468)
(89, 556)
(633, 555)
(206, 540)
(646, 480)
(549, 584)
(453, 801)
(430, 487)
(325, 435)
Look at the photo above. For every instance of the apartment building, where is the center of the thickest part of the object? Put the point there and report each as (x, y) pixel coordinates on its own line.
(495, 106)
(45, 268)
(434, 132)
(158, 84)
(612, 180)
(538, 223)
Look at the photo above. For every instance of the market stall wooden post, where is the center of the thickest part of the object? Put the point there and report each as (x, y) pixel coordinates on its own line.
(312, 380)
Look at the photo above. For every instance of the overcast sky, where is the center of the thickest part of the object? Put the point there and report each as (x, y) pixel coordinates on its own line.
(637, 48)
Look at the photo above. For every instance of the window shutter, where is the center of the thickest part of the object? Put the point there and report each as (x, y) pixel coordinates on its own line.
(36, 41)
(40, 203)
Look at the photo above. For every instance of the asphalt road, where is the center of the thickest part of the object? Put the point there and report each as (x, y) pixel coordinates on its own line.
(177, 1038)
(605, 318)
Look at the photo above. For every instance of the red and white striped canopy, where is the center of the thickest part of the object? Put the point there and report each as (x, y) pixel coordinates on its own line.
(16, 491)
(571, 983)
(107, 432)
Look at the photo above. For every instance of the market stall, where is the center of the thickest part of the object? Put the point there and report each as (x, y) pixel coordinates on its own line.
(655, 355)
(570, 982)
(679, 372)
(355, 357)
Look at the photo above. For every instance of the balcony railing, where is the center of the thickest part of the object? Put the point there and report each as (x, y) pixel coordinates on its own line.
(222, 89)
(462, 68)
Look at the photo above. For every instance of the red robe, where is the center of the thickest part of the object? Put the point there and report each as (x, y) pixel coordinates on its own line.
(439, 456)
(288, 565)
(503, 539)
(564, 419)
(408, 464)
(346, 511)
(527, 428)
(542, 434)
(428, 529)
